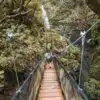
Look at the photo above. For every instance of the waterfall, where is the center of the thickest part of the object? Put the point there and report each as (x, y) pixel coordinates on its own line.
(45, 18)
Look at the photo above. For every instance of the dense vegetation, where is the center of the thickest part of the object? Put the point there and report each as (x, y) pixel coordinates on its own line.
(69, 17)
(30, 39)
(92, 86)
(24, 39)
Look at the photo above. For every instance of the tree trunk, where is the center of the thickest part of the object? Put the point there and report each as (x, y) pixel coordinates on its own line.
(94, 5)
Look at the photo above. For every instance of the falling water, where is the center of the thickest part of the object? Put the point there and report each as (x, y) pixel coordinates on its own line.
(45, 18)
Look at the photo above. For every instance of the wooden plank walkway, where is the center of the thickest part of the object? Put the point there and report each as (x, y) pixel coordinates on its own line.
(50, 88)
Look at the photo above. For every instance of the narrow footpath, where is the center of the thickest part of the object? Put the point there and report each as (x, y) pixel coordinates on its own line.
(50, 88)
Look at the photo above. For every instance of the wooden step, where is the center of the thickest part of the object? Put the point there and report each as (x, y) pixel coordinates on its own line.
(51, 98)
(50, 88)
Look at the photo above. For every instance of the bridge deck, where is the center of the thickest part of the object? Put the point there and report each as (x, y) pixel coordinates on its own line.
(50, 88)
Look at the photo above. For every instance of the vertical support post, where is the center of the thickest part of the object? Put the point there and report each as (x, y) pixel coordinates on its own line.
(82, 55)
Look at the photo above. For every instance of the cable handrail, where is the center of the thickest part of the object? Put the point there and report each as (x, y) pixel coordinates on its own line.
(73, 82)
(83, 34)
(19, 91)
(80, 37)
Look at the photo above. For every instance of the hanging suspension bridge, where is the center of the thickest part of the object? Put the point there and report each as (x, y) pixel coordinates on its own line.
(51, 81)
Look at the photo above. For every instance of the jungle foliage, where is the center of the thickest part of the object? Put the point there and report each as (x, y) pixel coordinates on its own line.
(22, 20)
(92, 86)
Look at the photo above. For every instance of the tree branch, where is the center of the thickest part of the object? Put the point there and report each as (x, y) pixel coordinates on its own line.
(12, 16)
(27, 3)
(1, 2)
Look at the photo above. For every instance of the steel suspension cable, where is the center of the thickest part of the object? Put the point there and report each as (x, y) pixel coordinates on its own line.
(78, 39)
(15, 69)
(82, 58)
(19, 91)
(46, 42)
(82, 53)
(51, 42)
(73, 82)
(17, 79)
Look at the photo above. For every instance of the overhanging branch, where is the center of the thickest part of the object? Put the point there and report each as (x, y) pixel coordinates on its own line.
(12, 16)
